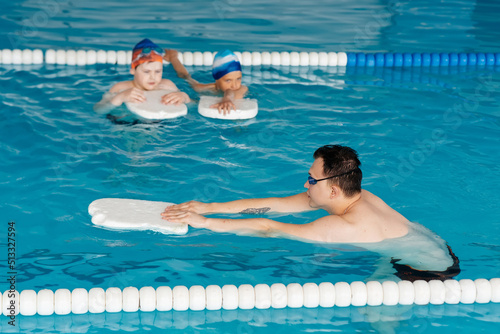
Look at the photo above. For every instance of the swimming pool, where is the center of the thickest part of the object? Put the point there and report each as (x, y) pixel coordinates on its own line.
(59, 156)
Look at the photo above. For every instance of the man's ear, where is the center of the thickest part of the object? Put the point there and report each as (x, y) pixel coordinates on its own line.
(334, 191)
(132, 71)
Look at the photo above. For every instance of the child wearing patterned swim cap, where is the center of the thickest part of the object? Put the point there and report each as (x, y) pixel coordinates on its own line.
(225, 62)
(147, 69)
(226, 70)
(146, 51)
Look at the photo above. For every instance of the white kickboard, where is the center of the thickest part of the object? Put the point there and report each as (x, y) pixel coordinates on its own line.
(131, 214)
(153, 109)
(245, 108)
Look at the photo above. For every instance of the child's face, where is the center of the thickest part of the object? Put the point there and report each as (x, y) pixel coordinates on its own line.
(147, 76)
(231, 81)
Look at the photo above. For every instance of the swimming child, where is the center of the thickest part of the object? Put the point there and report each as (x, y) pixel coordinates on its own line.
(147, 69)
(226, 70)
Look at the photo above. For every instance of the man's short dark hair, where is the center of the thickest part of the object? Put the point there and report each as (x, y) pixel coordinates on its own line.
(338, 159)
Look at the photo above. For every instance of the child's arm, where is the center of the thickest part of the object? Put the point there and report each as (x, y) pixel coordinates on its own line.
(199, 87)
(176, 97)
(230, 96)
(119, 93)
(173, 58)
(104, 106)
(240, 93)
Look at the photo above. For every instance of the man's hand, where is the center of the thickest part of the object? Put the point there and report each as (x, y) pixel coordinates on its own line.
(175, 215)
(191, 206)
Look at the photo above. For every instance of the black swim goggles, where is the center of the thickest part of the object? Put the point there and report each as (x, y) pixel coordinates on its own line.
(312, 180)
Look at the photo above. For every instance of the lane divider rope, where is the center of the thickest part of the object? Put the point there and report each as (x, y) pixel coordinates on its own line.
(92, 57)
(246, 296)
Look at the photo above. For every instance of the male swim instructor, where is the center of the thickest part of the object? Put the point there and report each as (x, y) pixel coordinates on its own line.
(334, 185)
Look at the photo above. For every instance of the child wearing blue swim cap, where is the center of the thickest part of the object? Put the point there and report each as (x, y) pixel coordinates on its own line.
(226, 70)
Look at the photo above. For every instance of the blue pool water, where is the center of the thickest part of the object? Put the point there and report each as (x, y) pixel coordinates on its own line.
(427, 138)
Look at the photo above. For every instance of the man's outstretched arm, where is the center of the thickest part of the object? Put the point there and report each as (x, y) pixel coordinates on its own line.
(295, 203)
(326, 229)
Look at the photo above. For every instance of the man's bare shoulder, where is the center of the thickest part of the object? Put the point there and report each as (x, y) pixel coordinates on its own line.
(333, 228)
(376, 220)
(337, 229)
(370, 196)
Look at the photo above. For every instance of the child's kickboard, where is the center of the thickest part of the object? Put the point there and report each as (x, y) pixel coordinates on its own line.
(245, 108)
(131, 214)
(153, 109)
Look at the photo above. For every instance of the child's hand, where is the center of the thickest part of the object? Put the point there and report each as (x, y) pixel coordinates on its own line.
(224, 107)
(170, 54)
(133, 95)
(175, 98)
